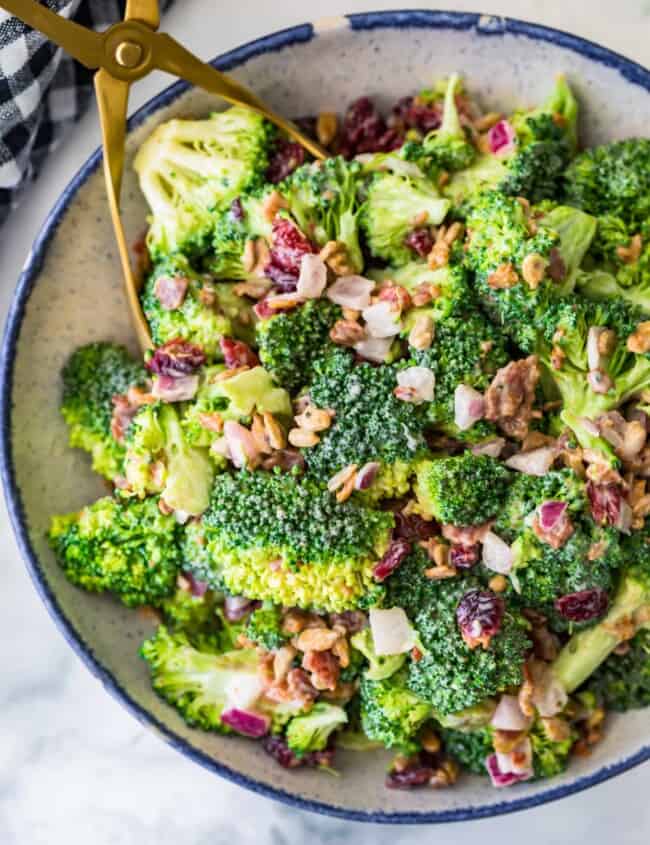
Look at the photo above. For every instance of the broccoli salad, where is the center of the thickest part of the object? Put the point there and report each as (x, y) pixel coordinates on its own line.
(382, 478)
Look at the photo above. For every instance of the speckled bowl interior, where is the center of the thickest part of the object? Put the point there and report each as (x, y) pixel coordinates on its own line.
(71, 293)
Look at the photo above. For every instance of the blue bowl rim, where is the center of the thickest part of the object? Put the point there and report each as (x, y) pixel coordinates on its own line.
(484, 25)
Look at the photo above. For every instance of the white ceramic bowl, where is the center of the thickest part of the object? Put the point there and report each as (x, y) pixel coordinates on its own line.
(71, 292)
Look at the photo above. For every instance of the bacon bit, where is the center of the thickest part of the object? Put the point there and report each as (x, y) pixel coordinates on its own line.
(341, 651)
(123, 413)
(324, 669)
(605, 502)
(505, 276)
(236, 353)
(526, 692)
(170, 291)
(424, 293)
(509, 398)
(397, 295)
(556, 536)
(556, 728)
(416, 654)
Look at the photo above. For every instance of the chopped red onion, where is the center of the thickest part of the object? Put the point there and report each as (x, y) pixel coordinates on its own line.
(169, 389)
(500, 779)
(469, 406)
(501, 138)
(508, 715)
(550, 513)
(421, 380)
(374, 349)
(366, 475)
(497, 554)
(624, 520)
(351, 292)
(236, 608)
(246, 722)
(313, 277)
(382, 320)
(241, 444)
(392, 632)
(549, 695)
(519, 761)
(197, 588)
(536, 462)
(594, 358)
(243, 690)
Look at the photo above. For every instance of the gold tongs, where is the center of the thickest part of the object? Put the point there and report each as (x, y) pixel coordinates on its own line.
(124, 53)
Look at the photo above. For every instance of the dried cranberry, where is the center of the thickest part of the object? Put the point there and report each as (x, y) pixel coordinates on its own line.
(364, 130)
(420, 241)
(277, 748)
(479, 615)
(411, 113)
(262, 310)
(413, 527)
(286, 158)
(583, 606)
(556, 266)
(289, 246)
(605, 501)
(236, 353)
(410, 777)
(395, 554)
(176, 358)
(463, 557)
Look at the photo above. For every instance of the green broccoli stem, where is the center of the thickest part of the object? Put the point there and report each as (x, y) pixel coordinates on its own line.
(451, 126)
(586, 650)
(586, 438)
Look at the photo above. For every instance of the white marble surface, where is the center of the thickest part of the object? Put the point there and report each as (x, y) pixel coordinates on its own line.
(74, 767)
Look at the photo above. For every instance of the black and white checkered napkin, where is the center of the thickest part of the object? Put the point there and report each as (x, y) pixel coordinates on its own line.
(42, 91)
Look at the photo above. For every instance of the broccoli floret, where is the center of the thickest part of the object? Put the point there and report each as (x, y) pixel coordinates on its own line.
(544, 573)
(613, 179)
(391, 713)
(450, 675)
(393, 202)
(198, 617)
(627, 614)
(622, 682)
(323, 199)
(93, 375)
(126, 547)
(371, 424)
(289, 343)
(544, 144)
(617, 266)
(244, 220)
(408, 587)
(200, 684)
(235, 398)
(550, 757)
(312, 731)
(469, 748)
(189, 168)
(159, 459)
(207, 313)
(379, 667)
(448, 146)
(464, 489)
(264, 627)
(466, 350)
(621, 376)
(500, 249)
(269, 536)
